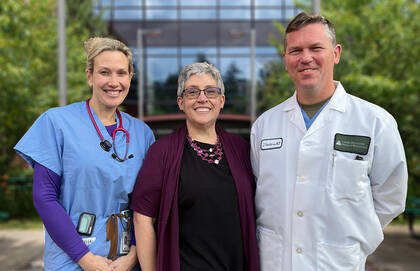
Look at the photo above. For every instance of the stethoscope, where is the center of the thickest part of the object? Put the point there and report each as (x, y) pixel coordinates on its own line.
(105, 144)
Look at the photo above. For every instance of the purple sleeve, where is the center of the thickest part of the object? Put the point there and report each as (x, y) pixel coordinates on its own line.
(46, 190)
(148, 188)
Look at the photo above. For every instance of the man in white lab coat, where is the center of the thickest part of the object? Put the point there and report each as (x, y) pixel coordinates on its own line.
(330, 168)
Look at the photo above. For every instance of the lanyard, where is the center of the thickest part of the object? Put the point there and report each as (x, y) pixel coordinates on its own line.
(105, 144)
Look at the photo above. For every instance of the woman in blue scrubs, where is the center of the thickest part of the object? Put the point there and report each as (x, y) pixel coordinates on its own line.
(86, 157)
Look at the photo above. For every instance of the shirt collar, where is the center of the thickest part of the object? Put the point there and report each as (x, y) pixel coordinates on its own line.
(337, 101)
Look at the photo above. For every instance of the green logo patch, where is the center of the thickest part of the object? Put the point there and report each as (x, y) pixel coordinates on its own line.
(352, 143)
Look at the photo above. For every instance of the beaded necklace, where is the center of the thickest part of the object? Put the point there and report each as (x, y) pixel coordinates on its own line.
(212, 155)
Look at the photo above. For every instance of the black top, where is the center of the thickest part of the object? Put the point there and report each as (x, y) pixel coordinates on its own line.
(209, 224)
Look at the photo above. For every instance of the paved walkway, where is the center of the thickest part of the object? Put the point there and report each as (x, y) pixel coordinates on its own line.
(22, 251)
(398, 252)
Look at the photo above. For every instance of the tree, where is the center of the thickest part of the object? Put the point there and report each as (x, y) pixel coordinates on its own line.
(235, 90)
(165, 93)
(28, 77)
(379, 63)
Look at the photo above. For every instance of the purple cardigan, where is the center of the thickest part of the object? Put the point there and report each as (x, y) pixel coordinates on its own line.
(156, 192)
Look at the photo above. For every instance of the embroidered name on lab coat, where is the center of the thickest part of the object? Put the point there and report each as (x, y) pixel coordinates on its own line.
(271, 143)
(352, 143)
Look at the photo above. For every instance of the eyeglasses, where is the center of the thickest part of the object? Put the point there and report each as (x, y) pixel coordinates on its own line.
(194, 93)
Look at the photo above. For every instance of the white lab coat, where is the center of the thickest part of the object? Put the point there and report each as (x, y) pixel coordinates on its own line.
(318, 208)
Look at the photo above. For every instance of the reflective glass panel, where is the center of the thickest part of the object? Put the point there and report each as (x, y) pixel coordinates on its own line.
(188, 60)
(127, 14)
(134, 51)
(261, 61)
(270, 2)
(198, 2)
(235, 50)
(198, 50)
(232, 14)
(105, 2)
(291, 12)
(198, 14)
(162, 83)
(161, 51)
(161, 14)
(291, 2)
(160, 2)
(156, 52)
(241, 66)
(160, 68)
(268, 14)
(235, 73)
(235, 2)
(265, 50)
(135, 3)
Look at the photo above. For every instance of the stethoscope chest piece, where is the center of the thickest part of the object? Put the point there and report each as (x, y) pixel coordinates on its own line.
(106, 145)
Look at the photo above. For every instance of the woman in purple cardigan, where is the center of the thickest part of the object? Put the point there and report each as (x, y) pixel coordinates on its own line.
(193, 201)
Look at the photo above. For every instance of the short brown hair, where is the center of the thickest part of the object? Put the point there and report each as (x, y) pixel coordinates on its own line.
(306, 18)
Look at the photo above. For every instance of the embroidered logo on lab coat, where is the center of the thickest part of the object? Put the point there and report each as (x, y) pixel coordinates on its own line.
(271, 143)
(352, 143)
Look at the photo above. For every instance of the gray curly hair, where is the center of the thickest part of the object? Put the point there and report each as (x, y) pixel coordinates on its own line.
(199, 68)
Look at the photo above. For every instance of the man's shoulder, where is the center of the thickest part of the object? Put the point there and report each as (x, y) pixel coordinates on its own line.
(369, 108)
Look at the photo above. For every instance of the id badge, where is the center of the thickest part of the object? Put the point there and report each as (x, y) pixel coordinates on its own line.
(126, 213)
(126, 235)
(125, 242)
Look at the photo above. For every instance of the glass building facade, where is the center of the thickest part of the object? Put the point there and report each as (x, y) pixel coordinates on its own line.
(175, 33)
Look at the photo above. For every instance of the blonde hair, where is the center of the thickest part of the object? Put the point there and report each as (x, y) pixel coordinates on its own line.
(95, 46)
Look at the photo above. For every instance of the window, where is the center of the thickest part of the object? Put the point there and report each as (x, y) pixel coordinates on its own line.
(237, 13)
(160, 2)
(127, 14)
(198, 2)
(198, 50)
(198, 14)
(269, 14)
(161, 14)
(131, 3)
(188, 60)
(235, 3)
(269, 2)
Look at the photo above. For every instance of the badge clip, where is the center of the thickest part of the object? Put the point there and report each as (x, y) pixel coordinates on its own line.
(86, 224)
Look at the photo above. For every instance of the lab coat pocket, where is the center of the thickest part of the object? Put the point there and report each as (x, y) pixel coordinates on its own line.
(270, 247)
(349, 179)
(336, 257)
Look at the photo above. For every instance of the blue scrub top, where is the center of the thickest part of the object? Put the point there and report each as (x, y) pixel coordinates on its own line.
(65, 141)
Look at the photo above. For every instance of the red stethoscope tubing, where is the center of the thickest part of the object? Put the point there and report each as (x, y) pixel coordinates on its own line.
(120, 128)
